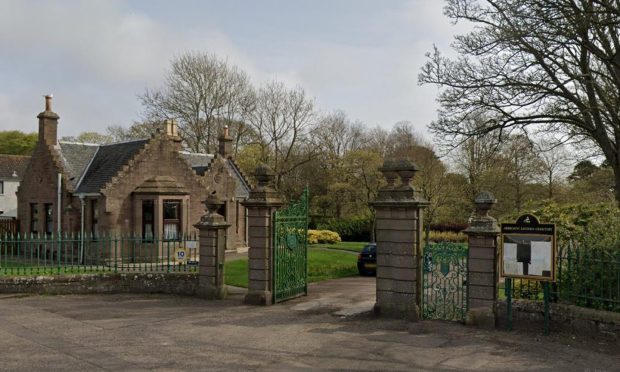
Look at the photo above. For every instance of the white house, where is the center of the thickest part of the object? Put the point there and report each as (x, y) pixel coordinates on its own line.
(11, 172)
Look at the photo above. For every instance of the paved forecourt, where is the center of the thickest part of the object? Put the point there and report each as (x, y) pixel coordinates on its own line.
(326, 330)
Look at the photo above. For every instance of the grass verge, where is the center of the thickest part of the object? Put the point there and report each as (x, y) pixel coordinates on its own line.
(345, 246)
(322, 265)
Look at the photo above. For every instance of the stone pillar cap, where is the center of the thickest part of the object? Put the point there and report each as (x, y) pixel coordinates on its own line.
(264, 174)
(485, 197)
(399, 165)
(212, 217)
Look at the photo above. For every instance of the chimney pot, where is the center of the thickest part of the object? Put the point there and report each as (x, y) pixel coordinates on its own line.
(48, 102)
(225, 143)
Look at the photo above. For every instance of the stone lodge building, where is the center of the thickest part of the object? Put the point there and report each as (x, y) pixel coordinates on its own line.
(147, 188)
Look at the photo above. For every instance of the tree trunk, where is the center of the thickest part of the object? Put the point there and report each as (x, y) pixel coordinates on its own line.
(616, 168)
(550, 185)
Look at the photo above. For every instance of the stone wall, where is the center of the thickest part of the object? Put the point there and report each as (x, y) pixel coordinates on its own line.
(160, 157)
(39, 185)
(169, 283)
(575, 319)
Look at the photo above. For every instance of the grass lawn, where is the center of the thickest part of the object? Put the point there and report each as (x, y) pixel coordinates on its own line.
(346, 246)
(322, 265)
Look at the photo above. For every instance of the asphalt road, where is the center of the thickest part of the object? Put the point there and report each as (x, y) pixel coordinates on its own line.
(329, 329)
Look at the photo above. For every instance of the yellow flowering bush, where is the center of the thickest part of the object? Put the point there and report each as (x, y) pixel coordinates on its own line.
(323, 236)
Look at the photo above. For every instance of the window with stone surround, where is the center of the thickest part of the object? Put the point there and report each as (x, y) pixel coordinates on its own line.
(172, 219)
(34, 218)
(49, 219)
(148, 219)
(94, 220)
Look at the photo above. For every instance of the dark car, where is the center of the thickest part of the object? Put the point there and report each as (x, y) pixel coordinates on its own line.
(367, 260)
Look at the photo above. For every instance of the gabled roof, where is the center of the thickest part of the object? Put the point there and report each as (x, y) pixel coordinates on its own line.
(90, 166)
(201, 163)
(13, 164)
(107, 162)
(243, 186)
(75, 158)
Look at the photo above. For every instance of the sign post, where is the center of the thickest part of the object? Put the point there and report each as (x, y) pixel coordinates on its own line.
(528, 252)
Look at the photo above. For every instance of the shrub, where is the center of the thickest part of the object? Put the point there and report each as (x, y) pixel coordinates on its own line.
(356, 229)
(588, 225)
(323, 236)
(447, 236)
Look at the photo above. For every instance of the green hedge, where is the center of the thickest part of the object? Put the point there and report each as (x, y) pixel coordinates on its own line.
(356, 229)
(596, 226)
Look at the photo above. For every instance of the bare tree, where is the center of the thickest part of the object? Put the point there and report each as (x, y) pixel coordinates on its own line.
(521, 164)
(335, 135)
(553, 65)
(138, 130)
(203, 93)
(282, 120)
(555, 161)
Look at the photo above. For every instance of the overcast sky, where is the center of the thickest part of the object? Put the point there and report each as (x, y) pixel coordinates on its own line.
(362, 57)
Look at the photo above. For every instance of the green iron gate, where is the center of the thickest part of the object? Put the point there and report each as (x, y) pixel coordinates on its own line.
(290, 274)
(444, 276)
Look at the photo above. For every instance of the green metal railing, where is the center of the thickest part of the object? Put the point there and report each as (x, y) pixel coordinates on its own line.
(74, 254)
(290, 227)
(584, 277)
(444, 288)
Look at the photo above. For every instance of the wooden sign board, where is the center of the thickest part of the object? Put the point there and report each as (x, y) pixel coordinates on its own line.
(528, 249)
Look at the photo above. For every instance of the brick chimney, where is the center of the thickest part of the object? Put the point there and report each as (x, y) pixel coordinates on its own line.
(48, 123)
(225, 143)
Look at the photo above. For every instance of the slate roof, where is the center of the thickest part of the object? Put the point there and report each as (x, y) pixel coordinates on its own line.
(107, 162)
(75, 158)
(91, 166)
(13, 163)
(200, 163)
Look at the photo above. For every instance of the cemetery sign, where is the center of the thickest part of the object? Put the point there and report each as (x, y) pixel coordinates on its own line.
(528, 249)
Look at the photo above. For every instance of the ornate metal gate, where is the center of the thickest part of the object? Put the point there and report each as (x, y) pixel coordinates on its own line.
(290, 274)
(444, 293)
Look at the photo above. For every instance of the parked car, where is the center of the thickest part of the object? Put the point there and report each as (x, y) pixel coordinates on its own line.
(367, 260)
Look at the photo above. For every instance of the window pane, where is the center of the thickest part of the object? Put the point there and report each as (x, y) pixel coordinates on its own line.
(49, 222)
(172, 219)
(171, 210)
(34, 218)
(148, 214)
(171, 231)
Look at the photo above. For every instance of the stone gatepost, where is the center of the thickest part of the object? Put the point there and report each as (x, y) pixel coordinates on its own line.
(264, 200)
(398, 216)
(212, 240)
(482, 270)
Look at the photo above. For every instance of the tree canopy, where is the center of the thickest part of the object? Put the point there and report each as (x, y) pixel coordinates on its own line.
(14, 142)
(540, 66)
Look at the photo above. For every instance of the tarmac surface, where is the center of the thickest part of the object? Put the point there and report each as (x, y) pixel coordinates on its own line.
(330, 329)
